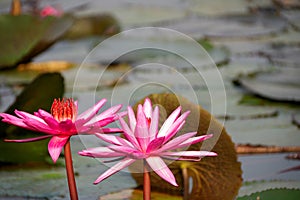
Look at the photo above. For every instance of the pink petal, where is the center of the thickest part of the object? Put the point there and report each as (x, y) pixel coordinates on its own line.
(189, 154)
(100, 152)
(147, 108)
(55, 146)
(153, 130)
(168, 123)
(155, 144)
(91, 112)
(108, 114)
(112, 170)
(116, 140)
(173, 144)
(111, 130)
(131, 119)
(194, 140)
(125, 150)
(176, 126)
(10, 119)
(39, 127)
(42, 113)
(141, 130)
(128, 133)
(52, 123)
(26, 116)
(29, 139)
(161, 169)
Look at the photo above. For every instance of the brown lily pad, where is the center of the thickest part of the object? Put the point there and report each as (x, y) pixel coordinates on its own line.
(212, 178)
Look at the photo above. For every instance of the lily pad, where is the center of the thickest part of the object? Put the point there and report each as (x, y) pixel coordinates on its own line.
(251, 187)
(212, 178)
(20, 41)
(276, 131)
(38, 95)
(274, 194)
(279, 85)
(230, 26)
(283, 55)
(219, 8)
(137, 194)
(99, 25)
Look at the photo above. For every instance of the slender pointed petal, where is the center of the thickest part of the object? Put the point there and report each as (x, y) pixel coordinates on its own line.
(128, 133)
(153, 130)
(176, 126)
(38, 126)
(10, 119)
(29, 139)
(90, 113)
(147, 108)
(194, 140)
(55, 146)
(141, 130)
(173, 144)
(113, 139)
(161, 169)
(108, 114)
(100, 152)
(168, 123)
(114, 169)
(189, 154)
(25, 115)
(131, 118)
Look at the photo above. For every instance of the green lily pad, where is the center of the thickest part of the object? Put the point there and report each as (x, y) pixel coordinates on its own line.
(100, 25)
(24, 36)
(251, 187)
(274, 194)
(37, 95)
(212, 178)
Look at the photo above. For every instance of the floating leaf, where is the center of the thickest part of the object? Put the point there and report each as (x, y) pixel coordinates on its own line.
(279, 85)
(274, 194)
(24, 36)
(229, 26)
(100, 25)
(137, 194)
(38, 95)
(213, 178)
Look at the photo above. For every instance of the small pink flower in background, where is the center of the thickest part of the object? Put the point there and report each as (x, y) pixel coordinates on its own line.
(50, 11)
(63, 122)
(143, 140)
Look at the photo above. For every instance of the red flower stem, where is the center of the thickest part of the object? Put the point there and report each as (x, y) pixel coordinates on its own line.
(185, 183)
(70, 172)
(147, 184)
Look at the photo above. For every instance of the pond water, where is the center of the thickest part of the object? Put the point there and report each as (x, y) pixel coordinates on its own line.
(242, 44)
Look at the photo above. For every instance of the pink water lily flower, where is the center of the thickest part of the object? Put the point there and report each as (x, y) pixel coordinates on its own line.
(50, 11)
(143, 140)
(63, 122)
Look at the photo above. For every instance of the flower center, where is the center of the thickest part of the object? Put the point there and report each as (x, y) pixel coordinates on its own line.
(64, 109)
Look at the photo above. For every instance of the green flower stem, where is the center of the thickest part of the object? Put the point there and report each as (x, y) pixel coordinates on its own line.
(70, 172)
(147, 184)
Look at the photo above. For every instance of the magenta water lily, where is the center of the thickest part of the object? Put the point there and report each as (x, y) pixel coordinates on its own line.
(63, 122)
(144, 140)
